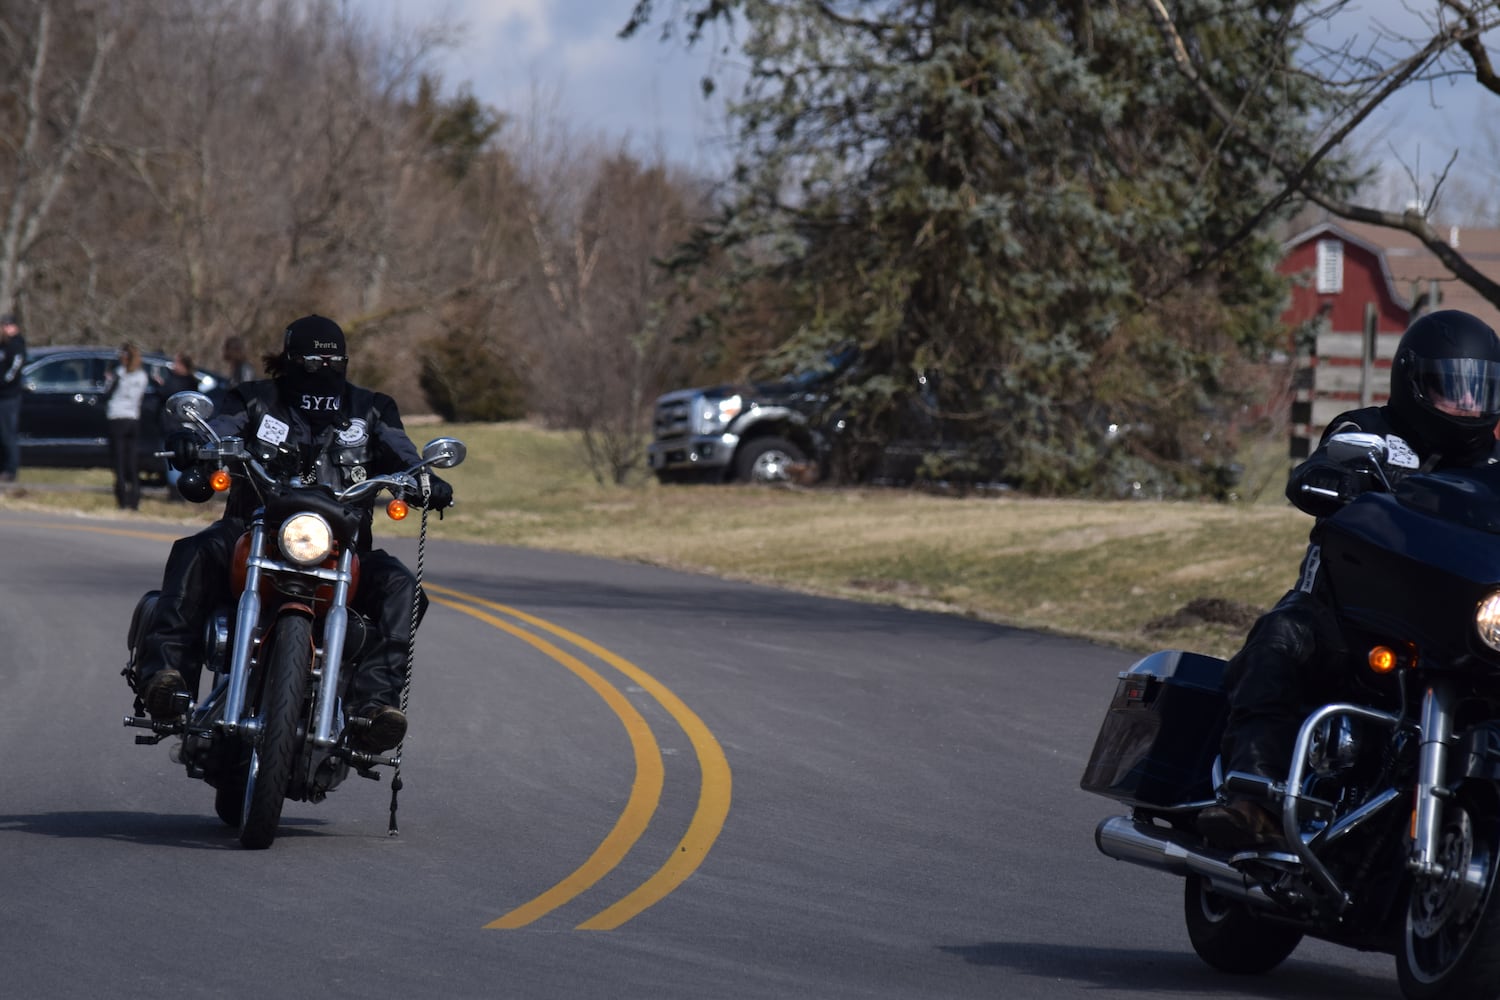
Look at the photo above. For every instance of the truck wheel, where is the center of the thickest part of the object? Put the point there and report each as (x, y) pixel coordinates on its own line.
(1228, 937)
(767, 460)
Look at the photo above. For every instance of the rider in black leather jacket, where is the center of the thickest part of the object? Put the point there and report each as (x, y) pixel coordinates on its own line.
(1443, 409)
(314, 422)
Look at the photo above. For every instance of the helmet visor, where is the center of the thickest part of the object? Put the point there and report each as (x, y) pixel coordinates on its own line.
(1460, 387)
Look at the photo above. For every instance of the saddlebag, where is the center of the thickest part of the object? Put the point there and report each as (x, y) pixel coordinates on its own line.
(1161, 734)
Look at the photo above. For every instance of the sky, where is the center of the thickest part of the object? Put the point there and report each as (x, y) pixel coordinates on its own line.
(564, 59)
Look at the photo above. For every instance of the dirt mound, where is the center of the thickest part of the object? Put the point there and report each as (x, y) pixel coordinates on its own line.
(1206, 611)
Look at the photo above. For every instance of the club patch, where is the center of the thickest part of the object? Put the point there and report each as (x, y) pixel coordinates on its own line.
(271, 430)
(358, 432)
(1400, 454)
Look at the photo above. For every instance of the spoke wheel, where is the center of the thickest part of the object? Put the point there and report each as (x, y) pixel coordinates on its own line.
(278, 744)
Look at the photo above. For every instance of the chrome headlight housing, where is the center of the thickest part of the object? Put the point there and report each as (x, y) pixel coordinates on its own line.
(712, 415)
(305, 539)
(1487, 620)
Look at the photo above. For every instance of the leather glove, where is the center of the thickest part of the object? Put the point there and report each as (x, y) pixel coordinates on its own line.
(184, 448)
(442, 494)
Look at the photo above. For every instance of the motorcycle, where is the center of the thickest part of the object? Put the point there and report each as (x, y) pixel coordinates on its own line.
(272, 725)
(1390, 811)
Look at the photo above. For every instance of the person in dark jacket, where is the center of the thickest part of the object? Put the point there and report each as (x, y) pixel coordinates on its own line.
(12, 360)
(336, 433)
(1443, 408)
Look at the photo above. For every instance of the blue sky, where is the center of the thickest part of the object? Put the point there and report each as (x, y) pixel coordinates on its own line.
(563, 59)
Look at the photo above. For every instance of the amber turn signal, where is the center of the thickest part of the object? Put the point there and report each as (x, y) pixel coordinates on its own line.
(1384, 659)
(397, 510)
(219, 480)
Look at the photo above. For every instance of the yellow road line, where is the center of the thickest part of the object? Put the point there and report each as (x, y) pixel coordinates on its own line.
(645, 791)
(715, 784)
(714, 791)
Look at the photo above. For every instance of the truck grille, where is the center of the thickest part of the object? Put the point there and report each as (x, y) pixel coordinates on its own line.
(673, 418)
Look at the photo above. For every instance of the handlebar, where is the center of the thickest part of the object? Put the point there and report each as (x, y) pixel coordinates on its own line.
(233, 450)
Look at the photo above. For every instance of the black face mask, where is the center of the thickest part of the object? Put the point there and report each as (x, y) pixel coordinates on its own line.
(319, 395)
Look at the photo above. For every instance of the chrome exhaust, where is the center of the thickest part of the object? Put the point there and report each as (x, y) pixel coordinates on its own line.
(1125, 839)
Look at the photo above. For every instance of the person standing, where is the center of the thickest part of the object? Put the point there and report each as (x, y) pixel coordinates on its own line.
(235, 356)
(12, 360)
(125, 388)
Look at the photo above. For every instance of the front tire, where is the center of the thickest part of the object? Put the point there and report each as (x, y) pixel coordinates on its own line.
(1227, 936)
(767, 460)
(278, 745)
(1450, 946)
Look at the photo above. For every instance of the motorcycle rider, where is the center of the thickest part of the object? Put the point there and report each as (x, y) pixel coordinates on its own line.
(1443, 408)
(329, 430)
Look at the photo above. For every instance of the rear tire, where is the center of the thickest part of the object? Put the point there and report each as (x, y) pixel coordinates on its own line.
(1227, 936)
(277, 748)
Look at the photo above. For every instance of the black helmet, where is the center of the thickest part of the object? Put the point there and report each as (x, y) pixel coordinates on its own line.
(1445, 384)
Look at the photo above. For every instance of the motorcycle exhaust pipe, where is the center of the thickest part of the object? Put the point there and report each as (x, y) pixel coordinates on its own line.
(1124, 839)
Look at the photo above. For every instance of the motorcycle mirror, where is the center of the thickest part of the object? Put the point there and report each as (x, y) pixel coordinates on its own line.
(188, 407)
(444, 452)
(1356, 446)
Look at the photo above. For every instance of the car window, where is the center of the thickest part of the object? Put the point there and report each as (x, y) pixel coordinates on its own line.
(79, 374)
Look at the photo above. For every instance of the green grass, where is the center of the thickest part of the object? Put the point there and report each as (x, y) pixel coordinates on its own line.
(1099, 570)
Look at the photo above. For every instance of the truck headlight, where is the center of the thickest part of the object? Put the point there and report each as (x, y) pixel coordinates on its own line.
(305, 539)
(1487, 620)
(715, 414)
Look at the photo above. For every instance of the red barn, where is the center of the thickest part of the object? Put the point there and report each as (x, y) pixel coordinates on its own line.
(1364, 284)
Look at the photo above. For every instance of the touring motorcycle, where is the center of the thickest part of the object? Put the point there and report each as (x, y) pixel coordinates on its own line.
(1390, 811)
(272, 726)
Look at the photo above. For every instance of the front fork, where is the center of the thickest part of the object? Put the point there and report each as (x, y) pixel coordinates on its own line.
(1432, 788)
(335, 628)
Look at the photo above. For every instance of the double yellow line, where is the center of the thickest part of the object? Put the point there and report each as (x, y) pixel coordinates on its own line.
(645, 792)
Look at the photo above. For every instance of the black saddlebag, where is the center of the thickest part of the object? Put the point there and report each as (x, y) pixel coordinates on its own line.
(1159, 739)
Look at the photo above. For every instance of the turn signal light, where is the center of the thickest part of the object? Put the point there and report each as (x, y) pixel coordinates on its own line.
(397, 510)
(1384, 659)
(219, 480)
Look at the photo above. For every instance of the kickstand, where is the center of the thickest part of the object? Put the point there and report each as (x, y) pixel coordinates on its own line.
(391, 831)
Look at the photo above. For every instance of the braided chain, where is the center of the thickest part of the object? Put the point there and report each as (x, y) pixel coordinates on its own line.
(411, 645)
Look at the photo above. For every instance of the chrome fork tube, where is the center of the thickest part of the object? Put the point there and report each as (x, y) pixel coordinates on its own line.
(335, 628)
(246, 622)
(1432, 767)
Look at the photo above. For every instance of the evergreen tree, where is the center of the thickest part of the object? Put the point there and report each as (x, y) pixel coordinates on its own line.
(1020, 214)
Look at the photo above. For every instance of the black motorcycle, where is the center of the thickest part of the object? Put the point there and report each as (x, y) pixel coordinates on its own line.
(272, 726)
(1391, 808)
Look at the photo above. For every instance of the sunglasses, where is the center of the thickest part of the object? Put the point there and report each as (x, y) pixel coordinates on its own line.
(318, 362)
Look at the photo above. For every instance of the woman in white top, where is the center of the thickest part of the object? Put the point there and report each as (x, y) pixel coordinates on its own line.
(125, 388)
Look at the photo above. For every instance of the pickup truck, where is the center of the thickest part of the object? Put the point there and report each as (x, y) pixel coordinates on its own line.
(762, 433)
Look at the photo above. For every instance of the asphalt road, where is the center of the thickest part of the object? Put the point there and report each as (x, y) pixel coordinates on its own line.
(620, 782)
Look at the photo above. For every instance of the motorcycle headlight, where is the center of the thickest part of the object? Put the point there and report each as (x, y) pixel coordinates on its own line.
(1487, 620)
(306, 539)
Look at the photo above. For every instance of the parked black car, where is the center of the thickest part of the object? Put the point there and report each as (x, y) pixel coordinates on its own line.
(62, 408)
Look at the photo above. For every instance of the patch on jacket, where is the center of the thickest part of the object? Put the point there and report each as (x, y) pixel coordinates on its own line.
(357, 433)
(1400, 454)
(272, 431)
